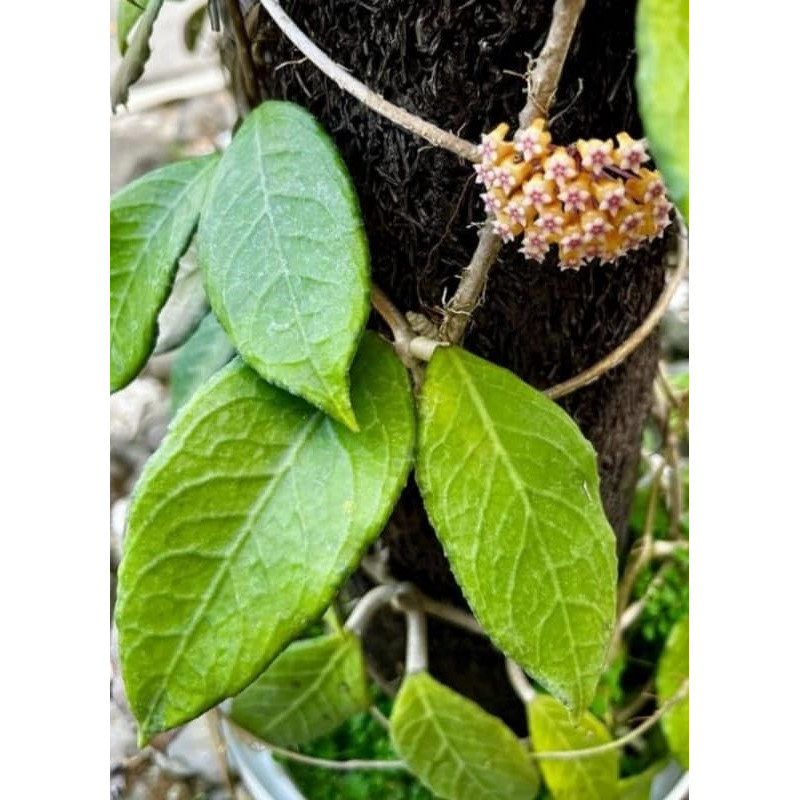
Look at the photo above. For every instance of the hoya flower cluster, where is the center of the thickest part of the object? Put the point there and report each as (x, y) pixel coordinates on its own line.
(591, 199)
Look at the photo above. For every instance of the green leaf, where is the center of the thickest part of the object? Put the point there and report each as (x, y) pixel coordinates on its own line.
(588, 778)
(455, 748)
(285, 258)
(206, 352)
(637, 787)
(133, 61)
(152, 222)
(185, 308)
(662, 84)
(310, 689)
(512, 489)
(243, 525)
(128, 14)
(673, 670)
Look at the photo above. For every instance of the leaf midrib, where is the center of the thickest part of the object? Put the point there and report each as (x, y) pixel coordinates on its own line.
(519, 484)
(245, 530)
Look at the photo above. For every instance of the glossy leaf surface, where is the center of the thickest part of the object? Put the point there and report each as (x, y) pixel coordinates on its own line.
(284, 255)
(511, 487)
(309, 690)
(152, 222)
(662, 85)
(673, 670)
(457, 749)
(244, 524)
(206, 352)
(588, 778)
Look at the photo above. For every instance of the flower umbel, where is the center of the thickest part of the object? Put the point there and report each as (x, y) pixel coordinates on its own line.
(595, 201)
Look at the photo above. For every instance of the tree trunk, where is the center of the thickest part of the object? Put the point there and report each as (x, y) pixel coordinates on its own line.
(460, 65)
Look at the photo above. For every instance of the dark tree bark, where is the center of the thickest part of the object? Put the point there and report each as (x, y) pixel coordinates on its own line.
(460, 64)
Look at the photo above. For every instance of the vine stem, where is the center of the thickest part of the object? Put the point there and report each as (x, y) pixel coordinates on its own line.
(366, 607)
(313, 761)
(619, 354)
(519, 682)
(379, 104)
(542, 83)
(543, 79)
(568, 755)
(416, 631)
(435, 608)
(243, 52)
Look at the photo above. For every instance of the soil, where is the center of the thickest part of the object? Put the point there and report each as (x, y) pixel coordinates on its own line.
(460, 65)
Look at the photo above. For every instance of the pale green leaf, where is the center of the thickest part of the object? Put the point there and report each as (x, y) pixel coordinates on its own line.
(458, 750)
(185, 308)
(152, 222)
(310, 689)
(673, 671)
(206, 352)
(662, 84)
(131, 67)
(128, 14)
(638, 787)
(512, 490)
(243, 525)
(284, 255)
(588, 778)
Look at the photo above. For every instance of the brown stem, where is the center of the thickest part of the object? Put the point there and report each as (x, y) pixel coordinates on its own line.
(543, 79)
(251, 86)
(344, 80)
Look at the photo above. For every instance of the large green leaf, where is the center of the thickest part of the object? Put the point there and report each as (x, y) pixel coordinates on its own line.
(457, 749)
(309, 690)
(588, 778)
(512, 490)
(284, 255)
(244, 524)
(133, 62)
(673, 670)
(152, 222)
(662, 83)
(207, 351)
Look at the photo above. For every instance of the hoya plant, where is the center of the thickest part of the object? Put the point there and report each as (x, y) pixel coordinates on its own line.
(345, 484)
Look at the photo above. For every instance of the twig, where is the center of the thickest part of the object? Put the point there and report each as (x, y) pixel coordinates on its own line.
(368, 605)
(402, 332)
(471, 286)
(566, 755)
(245, 56)
(426, 130)
(379, 717)
(638, 702)
(519, 682)
(543, 80)
(665, 549)
(435, 608)
(312, 761)
(645, 553)
(619, 354)
(634, 611)
(416, 632)
(542, 83)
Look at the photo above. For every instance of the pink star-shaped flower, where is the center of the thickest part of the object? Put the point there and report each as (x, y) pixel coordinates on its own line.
(595, 154)
(574, 197)
(534, 246)
(537, 192)
(560, 167)
(516, 212)
(491, 203)
(503, 230)
(552, 222)
(631, 153)
(485, 174)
